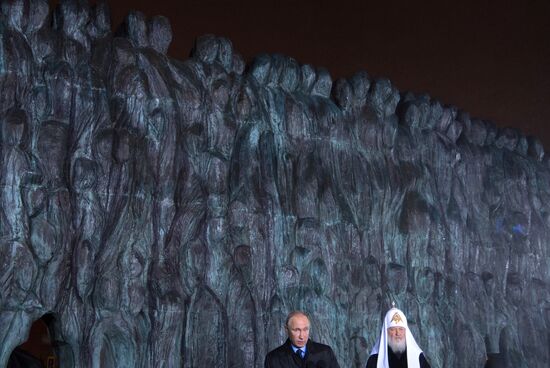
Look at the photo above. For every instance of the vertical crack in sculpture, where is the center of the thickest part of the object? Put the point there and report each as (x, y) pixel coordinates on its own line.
(170, 213)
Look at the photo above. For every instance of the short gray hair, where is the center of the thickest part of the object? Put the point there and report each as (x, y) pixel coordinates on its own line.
(294, 314)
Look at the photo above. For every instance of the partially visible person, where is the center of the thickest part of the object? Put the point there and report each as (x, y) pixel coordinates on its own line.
(19, 358)
(299, 350)
(396, 347)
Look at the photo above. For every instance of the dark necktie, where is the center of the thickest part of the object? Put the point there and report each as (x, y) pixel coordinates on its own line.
(300, 353)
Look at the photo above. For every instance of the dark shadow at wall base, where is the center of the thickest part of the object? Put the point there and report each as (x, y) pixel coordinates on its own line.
(495, 360)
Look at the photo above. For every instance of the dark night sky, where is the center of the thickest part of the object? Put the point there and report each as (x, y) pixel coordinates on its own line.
(490, 58)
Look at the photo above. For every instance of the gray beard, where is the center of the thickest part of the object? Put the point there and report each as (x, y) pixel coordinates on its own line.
(397, 347)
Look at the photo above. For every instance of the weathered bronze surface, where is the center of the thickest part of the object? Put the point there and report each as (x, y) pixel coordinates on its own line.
(170, 213)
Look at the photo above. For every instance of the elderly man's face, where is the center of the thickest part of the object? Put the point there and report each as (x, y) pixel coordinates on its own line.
(397, 339)
(396, 334)
(298, 330)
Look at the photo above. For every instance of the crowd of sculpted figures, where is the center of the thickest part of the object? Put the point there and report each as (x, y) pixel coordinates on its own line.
(170, 213)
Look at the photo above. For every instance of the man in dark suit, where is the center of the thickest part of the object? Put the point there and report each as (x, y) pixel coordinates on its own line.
(299, 351)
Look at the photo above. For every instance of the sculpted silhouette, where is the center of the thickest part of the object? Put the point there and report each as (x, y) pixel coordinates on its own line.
(170, 213)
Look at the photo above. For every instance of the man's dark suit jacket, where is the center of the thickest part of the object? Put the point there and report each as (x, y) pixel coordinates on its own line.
(317, 356)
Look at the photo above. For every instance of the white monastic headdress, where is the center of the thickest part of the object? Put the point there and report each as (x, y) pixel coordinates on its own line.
(396, 318)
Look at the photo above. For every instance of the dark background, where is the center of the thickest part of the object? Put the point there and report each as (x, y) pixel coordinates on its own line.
(489, 58)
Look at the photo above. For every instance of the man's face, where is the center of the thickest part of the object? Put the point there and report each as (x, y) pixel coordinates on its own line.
(298, 330)
(396, 334)
(397, 339)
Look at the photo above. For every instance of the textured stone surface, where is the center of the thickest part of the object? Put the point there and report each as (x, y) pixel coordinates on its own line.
(170, 213)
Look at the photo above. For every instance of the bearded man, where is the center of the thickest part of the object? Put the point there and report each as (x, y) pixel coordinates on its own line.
(299, 351)
(396, 347)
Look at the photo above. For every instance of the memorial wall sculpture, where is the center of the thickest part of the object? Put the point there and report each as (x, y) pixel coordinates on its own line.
(169, 213)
